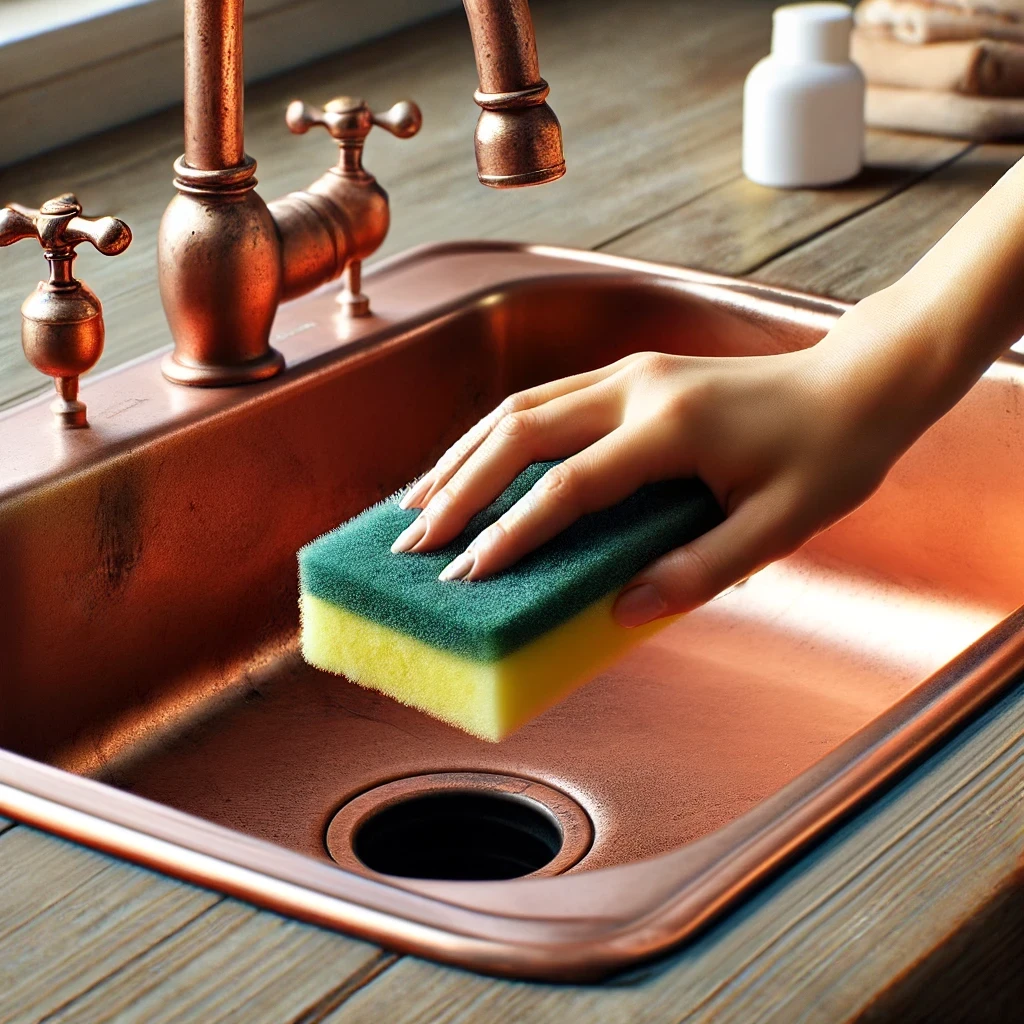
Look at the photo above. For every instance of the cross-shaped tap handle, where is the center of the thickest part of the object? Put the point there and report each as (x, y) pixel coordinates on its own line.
(59, 227)
(348, 119)
(62, 320)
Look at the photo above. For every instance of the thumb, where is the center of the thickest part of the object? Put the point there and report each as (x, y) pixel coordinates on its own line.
(751, 537)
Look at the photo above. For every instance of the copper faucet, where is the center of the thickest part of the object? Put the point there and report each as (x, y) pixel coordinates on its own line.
(227, 259)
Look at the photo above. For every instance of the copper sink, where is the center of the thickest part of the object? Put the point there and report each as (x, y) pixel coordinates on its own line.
(153, 704)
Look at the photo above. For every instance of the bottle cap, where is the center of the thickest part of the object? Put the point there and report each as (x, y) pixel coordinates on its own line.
(812, 32)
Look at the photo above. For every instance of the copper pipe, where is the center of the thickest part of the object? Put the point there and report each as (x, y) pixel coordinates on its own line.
(214, 88)
(518, 137)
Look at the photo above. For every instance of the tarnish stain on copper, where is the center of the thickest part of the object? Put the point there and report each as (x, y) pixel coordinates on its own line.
(119, 529)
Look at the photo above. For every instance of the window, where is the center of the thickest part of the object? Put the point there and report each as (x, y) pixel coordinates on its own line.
(69, 68)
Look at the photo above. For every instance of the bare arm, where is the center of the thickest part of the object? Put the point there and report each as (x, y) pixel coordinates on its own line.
(788, 443)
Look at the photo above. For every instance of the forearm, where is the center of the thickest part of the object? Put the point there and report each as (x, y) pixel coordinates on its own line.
(923, 342)
(972, 280)
(788, 443)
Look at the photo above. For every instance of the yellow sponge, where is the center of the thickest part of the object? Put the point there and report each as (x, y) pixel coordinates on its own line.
(489, 699)
(486, 656)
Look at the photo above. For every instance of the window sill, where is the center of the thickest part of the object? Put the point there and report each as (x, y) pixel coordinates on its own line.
(69, 70)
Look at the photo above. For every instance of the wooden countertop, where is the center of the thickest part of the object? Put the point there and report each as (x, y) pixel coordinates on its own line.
(911, 911)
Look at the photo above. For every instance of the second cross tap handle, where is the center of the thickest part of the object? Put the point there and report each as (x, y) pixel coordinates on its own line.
(62, 320)
(348, 119)
(403, 120)
(352, 196)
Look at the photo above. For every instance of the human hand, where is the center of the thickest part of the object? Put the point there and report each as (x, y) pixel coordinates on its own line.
(788, 444)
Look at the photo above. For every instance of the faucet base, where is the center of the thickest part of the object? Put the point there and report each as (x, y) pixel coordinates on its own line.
(209, 375)
(219, 259)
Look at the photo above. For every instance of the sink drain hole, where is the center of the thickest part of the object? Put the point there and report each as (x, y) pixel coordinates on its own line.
(460, 826)
(459, 836)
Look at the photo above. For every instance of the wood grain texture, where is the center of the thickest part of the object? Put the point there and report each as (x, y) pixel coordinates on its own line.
(233, 963)
(739, 225)
(873, 250)
(975, 975)
(60, 867)
(71, 916)
(815, 945)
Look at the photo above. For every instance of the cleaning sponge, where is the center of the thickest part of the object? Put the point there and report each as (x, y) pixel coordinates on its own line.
(486, 656)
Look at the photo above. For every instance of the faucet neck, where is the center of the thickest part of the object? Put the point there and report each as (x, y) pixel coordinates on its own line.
(350, 160)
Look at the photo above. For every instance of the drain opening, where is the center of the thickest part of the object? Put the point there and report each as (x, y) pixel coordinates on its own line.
(459, 836)
(460, 826)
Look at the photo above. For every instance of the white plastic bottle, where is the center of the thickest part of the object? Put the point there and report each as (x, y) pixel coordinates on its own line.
(803, 105)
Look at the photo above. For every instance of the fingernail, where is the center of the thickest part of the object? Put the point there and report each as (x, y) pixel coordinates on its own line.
(638, 605)
(459, 568)
(413, 495)
(410, 536)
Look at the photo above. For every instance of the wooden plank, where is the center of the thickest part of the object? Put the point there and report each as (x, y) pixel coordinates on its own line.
(74, 916)
(977, 971)
(231, 963)
(876, 248)
(37, 872)
(819, 942)
(624, 166)
(739, 226)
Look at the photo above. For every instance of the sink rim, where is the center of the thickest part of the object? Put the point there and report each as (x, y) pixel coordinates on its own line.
(131, 403)
(479, 924)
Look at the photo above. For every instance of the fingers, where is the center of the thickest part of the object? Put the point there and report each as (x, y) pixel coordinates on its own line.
(758, 532)
(453, 459)
(604, 474)
(555, 429)
(415, 494)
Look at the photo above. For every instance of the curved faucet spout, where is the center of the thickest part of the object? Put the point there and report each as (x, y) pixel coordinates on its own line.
(518, 137)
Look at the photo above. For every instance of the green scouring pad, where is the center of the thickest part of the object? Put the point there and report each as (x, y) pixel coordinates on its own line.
(487, 656)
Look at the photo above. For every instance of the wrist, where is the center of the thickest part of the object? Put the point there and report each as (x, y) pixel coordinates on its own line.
(894, 362)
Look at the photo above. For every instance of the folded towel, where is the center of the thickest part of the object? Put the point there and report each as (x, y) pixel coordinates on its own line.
(1011, 8)
(920, 21)
(979, 67)
(979, 118)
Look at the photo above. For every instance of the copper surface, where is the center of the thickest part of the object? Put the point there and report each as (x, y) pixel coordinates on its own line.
(518, 138)
(219, 267)
(352, 300)
(573, 823)
(62, 320)
(153, 702)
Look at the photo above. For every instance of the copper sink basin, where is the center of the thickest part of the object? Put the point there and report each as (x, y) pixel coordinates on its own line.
(152, 702)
